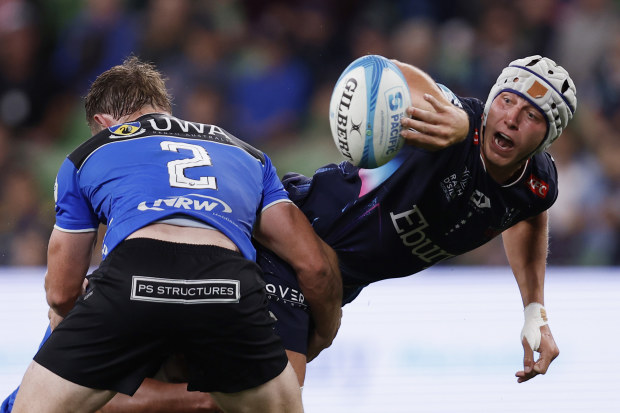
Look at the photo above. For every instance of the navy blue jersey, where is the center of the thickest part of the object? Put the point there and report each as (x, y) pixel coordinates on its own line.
(140, 172)
(420, 208)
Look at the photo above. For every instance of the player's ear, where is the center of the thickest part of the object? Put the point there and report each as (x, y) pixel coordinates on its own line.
(105, 120)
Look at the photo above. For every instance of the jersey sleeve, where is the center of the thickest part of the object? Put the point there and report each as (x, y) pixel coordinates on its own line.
(273, 190)
(543, 182)
(448, 94)
(73, 211)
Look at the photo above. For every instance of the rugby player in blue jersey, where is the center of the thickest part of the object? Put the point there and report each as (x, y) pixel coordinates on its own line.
(181, 201)
(472, 171)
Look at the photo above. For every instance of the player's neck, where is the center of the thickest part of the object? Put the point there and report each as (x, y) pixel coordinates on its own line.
(145, 110)
(501, 175)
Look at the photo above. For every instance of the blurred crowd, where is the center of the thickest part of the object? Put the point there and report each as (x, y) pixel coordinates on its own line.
(264, 70)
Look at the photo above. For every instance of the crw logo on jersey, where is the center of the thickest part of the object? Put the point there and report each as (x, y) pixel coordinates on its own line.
(538, 186)
(190, 201)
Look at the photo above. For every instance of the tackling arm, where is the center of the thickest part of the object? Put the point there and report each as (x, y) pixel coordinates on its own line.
(68, 260)
(285, 230)
(526, 248)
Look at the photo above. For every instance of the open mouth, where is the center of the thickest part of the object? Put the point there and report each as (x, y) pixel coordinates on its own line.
(503, 141)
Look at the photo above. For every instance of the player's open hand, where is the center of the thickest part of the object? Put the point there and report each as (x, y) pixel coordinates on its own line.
(548, 352)
(435, 130)
(316, 344)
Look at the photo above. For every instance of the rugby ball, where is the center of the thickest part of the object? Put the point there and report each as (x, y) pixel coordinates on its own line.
(365, 109)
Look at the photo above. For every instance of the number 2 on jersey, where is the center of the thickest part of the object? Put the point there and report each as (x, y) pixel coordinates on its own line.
(176, 168)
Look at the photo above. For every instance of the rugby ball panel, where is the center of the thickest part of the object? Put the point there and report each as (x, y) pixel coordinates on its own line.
(366, 105)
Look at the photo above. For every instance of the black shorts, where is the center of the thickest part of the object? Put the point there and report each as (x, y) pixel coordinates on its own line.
(150, 299)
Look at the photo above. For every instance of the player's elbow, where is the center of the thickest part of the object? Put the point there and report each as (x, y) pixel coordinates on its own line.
(61, 300)
(61, 303)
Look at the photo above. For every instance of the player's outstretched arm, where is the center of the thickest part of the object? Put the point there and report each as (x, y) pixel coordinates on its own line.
(434, 123)
(526, 248)
(285, 230)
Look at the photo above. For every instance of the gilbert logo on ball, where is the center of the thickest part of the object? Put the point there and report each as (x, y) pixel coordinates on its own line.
(366, 106)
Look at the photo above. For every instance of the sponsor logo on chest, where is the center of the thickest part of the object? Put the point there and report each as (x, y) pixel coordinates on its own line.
(410, 226)
(454, 185)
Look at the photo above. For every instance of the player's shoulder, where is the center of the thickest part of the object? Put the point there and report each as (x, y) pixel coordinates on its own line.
(170, 126)
(542, 178)
(159, 124)
(544, 165)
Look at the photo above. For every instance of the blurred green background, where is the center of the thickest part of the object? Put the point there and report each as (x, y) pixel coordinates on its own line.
(264, 70)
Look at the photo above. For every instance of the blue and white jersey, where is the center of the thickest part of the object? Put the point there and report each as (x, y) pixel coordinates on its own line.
(133, 174)
(420, 208)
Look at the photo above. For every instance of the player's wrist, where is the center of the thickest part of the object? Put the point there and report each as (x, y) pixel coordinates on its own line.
(535, 316)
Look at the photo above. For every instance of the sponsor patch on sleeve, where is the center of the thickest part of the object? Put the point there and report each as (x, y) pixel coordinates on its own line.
(538, 186)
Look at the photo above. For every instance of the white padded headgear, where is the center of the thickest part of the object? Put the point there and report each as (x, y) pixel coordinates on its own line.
(545, 85)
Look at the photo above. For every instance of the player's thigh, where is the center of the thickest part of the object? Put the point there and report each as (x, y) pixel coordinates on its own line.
(42, 391)
(280, 394)
(298, 362)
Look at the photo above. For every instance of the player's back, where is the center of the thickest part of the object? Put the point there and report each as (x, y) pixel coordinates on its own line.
(159, 166)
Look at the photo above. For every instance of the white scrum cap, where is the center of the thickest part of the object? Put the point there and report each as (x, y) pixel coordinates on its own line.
(545, 85)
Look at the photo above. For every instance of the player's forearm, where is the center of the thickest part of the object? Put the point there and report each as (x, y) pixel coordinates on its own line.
(68, 259)
(285, 230)
(155, 396)
(420, 83)
(526, 246)
(322, 290)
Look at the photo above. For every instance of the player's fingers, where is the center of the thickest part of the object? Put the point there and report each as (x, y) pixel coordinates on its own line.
(542, 365)
(419, 125)
(544, 360)
(421, 115)
(528, 356)
(437, 105)
(548, 351)
(523, 376)
(528, 363)
(422, 140)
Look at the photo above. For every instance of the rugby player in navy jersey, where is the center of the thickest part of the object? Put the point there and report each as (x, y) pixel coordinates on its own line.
(472, 171)
(181, 202)
(457, 185)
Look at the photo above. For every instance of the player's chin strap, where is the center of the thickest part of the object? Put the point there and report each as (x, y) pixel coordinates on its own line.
(535, 317)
